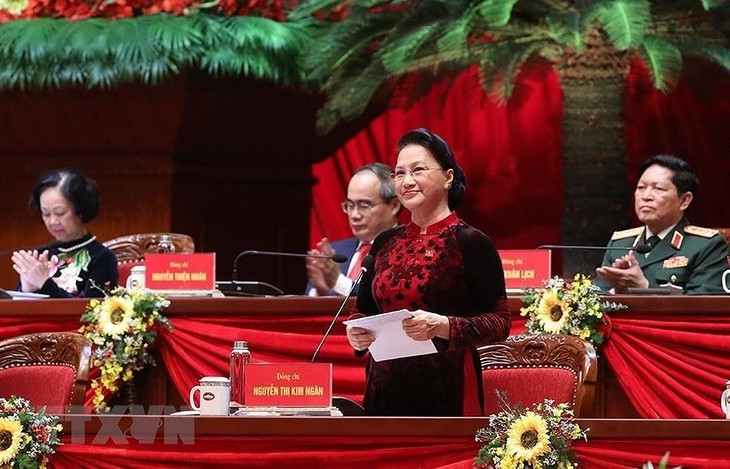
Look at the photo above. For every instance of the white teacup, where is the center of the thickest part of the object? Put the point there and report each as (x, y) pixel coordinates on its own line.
(136, 277)
(726, 282)
(215, 395)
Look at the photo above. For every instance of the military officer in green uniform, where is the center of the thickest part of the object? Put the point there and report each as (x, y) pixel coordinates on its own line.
(685, 258)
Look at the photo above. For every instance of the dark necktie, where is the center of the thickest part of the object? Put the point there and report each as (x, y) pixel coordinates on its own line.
(653, 241)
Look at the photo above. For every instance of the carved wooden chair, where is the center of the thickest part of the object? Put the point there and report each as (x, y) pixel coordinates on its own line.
(131, 249)
(531, 368)
(49, 369)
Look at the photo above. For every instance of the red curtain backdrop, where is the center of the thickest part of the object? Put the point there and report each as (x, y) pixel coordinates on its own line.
(512, 154)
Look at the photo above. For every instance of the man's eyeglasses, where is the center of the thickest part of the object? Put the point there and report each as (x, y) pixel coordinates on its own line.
(363, 206)
(398, 174)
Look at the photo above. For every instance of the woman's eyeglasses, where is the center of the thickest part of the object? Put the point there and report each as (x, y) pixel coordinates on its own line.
(398, 174)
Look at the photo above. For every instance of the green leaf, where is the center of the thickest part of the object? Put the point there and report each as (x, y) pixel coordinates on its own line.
(716, 53)
(565, 29)
(99, 52)
(664, 60)
(404, 48)
(624, 21)
(496, 13)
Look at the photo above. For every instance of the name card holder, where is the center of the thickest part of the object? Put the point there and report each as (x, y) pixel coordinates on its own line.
(288, 388)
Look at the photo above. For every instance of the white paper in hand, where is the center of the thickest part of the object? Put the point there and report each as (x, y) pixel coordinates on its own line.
(390, 339)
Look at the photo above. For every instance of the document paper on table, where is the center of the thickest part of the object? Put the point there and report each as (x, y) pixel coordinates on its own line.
(390, 339)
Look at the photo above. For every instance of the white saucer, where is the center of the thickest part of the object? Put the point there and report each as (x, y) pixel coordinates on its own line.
(186, 412)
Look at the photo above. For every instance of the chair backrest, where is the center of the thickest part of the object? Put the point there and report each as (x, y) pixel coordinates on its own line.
(131, 249)
(531, 368)
(48, 368)
(134, 247)
(725, 232)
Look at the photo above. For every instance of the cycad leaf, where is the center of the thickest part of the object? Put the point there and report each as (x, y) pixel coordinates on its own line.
(310, 7)
(565, 29)
(710, 4)
(496, 13)
(404, 48)
(624, 21)
(664, 60)
(29, 40)
(716, 53)
(174, 33)
(456, 36)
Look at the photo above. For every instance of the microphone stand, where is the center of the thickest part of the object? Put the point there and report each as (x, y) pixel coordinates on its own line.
(339, 311)
(339, 258)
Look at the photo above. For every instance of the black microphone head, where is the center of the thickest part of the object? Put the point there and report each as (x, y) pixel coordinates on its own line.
(367, 263)
(642, 248)
(339, 258)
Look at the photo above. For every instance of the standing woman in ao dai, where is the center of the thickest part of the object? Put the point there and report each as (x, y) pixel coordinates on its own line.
(448, 274)
(75, 264)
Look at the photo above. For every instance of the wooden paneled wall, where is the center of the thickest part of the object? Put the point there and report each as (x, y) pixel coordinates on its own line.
(226, 161)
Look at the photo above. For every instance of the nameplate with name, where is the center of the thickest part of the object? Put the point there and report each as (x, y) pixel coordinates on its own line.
(288, 385)
(525, 268)
(188, 271)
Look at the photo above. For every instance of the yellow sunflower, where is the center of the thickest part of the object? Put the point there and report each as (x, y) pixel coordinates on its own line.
(527, 438)
(11, 434)
(116, 315)
(552, 312)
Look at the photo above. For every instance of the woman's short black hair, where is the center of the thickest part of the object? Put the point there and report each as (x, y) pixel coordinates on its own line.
(443, 154)
(77, 188)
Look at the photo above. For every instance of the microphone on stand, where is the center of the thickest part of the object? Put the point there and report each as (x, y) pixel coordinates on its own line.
(366, 265)
(639, 248)
(339, 258)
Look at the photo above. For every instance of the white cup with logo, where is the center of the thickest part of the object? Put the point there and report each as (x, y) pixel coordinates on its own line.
(725, 400)
(726, 281)
(136, 277)
(214, 395)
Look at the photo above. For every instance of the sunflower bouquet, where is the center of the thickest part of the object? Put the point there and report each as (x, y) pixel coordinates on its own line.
(27, 437)
(523, 438)
(572, 308)
(121, 327)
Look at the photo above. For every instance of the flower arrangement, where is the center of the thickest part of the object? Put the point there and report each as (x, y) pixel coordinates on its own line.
(572, 308)
(76, 10)
(26, 437)
(121, 327)
(530, 438)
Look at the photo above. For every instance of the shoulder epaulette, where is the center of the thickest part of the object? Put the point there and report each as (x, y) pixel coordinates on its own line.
(699, 231)
(627, 233)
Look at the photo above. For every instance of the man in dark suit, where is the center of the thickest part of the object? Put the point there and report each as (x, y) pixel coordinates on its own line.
(371, 207)
(683, 257)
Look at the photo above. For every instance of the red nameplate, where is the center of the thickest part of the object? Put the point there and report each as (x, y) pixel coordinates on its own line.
(288, 385)
(525, 268)
(190, 271)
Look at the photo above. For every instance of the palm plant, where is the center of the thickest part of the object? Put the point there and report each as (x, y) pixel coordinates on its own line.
(589, 43)
(101, 52)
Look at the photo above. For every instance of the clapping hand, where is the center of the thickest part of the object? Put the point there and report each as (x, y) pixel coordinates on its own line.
(33, 269)
(623, 274)
(322, 273)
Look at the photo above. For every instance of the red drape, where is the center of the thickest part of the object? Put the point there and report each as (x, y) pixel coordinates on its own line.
(370, 452)
(512, 154)
(669, 365)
